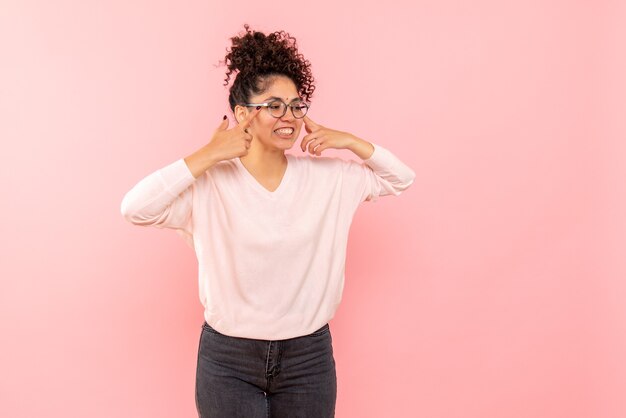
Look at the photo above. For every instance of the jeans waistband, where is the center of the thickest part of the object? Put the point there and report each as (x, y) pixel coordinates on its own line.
(324, 328)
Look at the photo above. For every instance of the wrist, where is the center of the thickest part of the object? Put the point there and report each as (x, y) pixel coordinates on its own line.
(362, 148)
(200, 161)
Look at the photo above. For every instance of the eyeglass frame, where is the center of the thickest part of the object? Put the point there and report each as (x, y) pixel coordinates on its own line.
(287, 105)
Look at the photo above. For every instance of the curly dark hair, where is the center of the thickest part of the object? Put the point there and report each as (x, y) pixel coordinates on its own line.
(257, 58)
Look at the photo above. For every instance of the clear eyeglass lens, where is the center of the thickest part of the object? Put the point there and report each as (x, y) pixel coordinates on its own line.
(299, 109)
(276, 108)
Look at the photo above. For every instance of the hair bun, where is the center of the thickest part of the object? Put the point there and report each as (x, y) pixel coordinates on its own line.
(254, 54)
(250, 52)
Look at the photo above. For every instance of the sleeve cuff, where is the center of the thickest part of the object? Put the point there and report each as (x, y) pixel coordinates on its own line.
(177, 176)
(381, 158)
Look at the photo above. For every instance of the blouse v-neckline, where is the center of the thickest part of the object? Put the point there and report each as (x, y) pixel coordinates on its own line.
(258, 186)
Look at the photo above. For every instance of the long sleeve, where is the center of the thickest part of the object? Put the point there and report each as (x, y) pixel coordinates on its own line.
(380, 175)
(252, 244)
(163, 199)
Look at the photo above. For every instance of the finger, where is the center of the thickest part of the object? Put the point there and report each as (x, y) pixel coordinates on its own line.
(309, 123)
(304, 142)
(321, 148)
(314, 144)
(309, 137)
(224, 125)
(246, 122)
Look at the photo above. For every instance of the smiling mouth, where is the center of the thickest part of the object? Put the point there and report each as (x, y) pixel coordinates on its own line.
(284, 132)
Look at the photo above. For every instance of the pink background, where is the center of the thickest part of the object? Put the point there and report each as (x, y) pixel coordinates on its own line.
(494, 287)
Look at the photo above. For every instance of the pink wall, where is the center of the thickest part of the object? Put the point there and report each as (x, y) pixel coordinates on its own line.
(493, 288)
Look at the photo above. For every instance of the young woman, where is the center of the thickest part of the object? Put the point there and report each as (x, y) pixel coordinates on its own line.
(270, 231)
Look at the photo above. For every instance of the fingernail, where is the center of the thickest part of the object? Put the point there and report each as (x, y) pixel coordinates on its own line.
(258, 107)
(224, 117)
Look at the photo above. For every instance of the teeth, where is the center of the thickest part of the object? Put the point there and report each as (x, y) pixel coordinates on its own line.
(284, 131)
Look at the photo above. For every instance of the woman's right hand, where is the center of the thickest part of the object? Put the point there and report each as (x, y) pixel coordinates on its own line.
(225, 144)
(231, 143)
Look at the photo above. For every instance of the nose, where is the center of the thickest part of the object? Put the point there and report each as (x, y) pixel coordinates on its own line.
(288, 116)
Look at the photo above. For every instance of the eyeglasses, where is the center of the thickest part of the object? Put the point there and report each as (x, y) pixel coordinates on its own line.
(278, 108)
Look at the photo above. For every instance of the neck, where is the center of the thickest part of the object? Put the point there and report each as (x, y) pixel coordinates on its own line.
(264, 161)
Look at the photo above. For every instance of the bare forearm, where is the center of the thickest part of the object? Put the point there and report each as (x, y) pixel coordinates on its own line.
(361, 148)
(200, 161)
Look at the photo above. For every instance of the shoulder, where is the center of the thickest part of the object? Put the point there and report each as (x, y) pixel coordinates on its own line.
(219, 170)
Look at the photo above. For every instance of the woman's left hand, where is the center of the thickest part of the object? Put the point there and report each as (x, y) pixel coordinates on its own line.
(320, 138)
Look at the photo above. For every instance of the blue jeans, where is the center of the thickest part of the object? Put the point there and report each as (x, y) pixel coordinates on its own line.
(250, 378)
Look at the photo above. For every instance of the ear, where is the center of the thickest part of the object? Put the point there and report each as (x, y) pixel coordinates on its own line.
(241, 112)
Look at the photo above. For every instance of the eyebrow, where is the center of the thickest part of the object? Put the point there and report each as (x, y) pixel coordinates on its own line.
(274, 97)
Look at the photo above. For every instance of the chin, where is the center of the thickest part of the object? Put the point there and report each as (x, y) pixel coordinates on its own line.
(284, 143)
